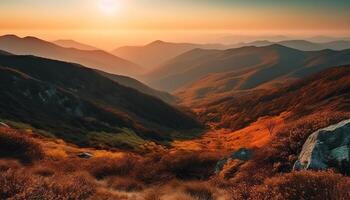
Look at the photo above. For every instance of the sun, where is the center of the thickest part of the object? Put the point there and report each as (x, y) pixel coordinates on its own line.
(109, 7)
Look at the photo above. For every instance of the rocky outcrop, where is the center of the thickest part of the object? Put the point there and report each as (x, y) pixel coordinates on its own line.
(326, 148)
(242, 154)
(2, 124)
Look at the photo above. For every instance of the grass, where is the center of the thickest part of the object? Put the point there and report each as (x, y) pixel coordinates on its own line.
(125, 138)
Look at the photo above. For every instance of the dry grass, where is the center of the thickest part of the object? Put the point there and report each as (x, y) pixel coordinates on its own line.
(17, 145)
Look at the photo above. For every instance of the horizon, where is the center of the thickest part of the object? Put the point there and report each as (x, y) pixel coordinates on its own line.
(108, 24)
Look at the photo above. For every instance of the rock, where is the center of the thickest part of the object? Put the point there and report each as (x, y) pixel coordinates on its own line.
(85, 155)
(4, 125)
(242, 154)
(327, 147)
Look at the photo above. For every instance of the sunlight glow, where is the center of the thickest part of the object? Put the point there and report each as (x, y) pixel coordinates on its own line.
(109, 7)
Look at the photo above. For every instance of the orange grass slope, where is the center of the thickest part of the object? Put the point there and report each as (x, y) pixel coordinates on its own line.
(255, 135)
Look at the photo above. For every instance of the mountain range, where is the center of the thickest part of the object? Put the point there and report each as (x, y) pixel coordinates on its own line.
(74, 44)
(97, 59)
(328, 90)
(157, 52)
(201, 72)
(80, 105)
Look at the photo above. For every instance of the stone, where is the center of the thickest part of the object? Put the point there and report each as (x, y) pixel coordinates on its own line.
(326, 148)
(85, 155)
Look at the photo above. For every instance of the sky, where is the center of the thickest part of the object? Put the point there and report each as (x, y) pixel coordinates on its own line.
(109, 23)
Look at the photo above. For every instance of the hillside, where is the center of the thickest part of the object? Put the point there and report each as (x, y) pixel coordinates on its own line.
(243, 68)
(327, 91)
(81, 106)
(157, 52)
(141, 87)
(74, 44)
(95, 59)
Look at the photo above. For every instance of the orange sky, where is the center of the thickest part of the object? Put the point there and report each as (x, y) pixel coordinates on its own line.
(109, 23)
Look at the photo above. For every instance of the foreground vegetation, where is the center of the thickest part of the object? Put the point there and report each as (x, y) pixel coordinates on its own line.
(29, 171)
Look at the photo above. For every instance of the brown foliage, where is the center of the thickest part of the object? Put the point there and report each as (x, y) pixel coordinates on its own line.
(303, 185)
(125, 184)
(105, 167)
(19, 146)
(199, 190)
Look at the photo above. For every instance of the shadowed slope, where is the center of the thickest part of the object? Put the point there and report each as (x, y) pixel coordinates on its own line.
(72, 101)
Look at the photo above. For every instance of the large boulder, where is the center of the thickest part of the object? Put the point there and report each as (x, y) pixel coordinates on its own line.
(326, 148)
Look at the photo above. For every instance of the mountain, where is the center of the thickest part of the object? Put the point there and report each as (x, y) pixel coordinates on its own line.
(74, 44)
(303, 45)
(141, 87)
(241, 68)
(328, 91)
(157, 52)
(80, 105)
(95, 59)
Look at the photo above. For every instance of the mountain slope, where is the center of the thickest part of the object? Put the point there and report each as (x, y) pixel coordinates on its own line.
(95, 59)
(78, 104)
(74, 44)
(328, 90)
(157, 52)
(245, 67)
(303, 45)
(141, 87)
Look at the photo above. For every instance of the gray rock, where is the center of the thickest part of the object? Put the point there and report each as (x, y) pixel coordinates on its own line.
(85, 155)
(4, 125)
(242, 154)
(325, 148)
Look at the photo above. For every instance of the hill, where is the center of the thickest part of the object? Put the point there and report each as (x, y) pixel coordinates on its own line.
(74, 44)
(81, 106)
(303, 45)
(95, 59)
(242, 68)
(141, 87)
(328, 91)
(157, 52)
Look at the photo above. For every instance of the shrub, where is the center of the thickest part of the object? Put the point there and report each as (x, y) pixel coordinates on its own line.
(19, 146)
(303, 185)
(124, 184)
(191, 165)
(199, 190)
(105, 167)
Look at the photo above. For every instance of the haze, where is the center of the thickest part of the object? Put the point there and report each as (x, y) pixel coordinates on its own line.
(110, 23)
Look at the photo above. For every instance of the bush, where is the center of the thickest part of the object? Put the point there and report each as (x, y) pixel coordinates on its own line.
(199, 190)
(105, 167)
(21, 184)
(124, 184)
(19, 146)
(191, 165)
(303, 185)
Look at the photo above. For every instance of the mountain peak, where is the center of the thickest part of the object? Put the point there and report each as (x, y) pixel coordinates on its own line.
(10, 36)
(157, 42)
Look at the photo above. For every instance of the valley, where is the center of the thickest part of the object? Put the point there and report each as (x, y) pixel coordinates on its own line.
(233, 122)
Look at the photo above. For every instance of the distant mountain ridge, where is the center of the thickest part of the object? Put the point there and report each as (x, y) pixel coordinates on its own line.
(157, 52)
(78, 104)
(95, 59)
(74, 44)
(242, 68)
(303, 45)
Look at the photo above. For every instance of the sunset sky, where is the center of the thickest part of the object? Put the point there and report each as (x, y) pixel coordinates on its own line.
(109, 23)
